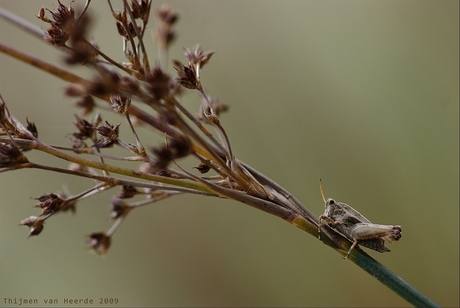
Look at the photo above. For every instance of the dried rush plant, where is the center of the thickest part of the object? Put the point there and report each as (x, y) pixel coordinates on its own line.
(157, 174)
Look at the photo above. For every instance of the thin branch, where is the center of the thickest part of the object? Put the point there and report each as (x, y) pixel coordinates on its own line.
(22, 23)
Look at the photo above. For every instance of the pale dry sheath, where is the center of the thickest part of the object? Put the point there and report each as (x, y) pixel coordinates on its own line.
(156, 172)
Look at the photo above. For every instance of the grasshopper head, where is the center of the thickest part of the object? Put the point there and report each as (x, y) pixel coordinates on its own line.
(330, 206)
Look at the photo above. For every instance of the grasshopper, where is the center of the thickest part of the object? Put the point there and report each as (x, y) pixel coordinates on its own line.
(356, 227)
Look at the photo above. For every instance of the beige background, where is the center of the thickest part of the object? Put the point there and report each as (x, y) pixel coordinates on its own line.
(363, 94)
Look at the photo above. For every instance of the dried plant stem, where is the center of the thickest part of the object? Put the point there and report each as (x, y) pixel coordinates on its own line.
(41, 64)
(116, 169)
(22, 23)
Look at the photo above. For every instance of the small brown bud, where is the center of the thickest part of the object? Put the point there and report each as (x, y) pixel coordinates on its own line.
(35, 225)
(99, 243)
(128, 84)
(176, 148)
(127, 192)
(105, 84)
(56, 36)
(203, 168)
(159, 83)
(32, 128)
(41, 15)
(86, 104)
(211, 105)
(119, 208)
(49, 203)
(165, 35)
(80, 50)
(163, 157)
(166, 15)
(73, 90)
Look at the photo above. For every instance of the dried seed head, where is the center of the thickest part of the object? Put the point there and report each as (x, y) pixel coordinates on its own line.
(163, 157)
(109, 131)
(105, 84)
(203, 168)
(81, 51)
(86, 104)
(120, 103)
(181, 147)
(32, 128)
(141, 9)
(208, 113)
(128, 84)
(127, 192)
(174, 149)
(56, 36)
(213, 103)
(85, 129)
(128, 32)
(165, 34)
(11, 155)
(99, 243)
(119, 208)
(166, 15)
(35, 225)
(61, 25)
(74, 90)
(49, 203)
(109, 135)
(63, 16)
(197, 56)
(186, 76)
(159, 83)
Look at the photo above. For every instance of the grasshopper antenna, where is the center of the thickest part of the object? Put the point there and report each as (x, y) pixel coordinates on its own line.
(321, 189)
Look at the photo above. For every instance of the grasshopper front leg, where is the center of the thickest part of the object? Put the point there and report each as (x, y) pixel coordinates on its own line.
(329, 220)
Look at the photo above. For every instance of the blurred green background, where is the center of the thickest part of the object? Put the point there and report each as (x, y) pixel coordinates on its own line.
(363, 94)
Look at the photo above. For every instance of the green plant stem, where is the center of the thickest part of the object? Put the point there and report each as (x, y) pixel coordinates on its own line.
(390, 279)
(370, 265)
